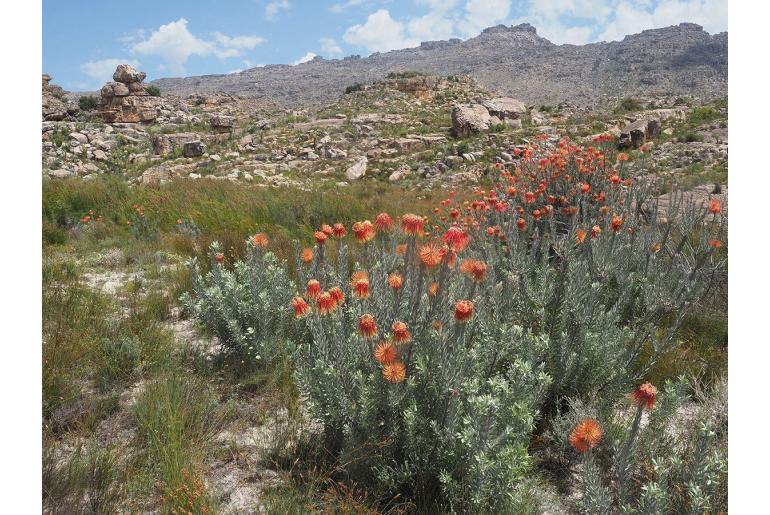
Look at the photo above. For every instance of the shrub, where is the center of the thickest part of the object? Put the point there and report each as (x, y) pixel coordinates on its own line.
(153, 91)
(353, 88)
(463, 148)
(87, 103)
(627, 105)
(247, 308)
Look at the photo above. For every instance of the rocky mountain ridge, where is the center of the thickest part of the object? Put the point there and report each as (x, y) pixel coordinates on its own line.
(676, 60)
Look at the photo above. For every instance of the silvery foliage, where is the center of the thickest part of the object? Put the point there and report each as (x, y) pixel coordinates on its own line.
(456, 431)
(248, 308)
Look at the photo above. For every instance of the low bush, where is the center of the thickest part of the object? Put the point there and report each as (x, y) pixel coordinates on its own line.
(153, 91)
(87, 103)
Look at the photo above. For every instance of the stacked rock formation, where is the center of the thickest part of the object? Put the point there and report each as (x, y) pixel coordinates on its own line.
(56, 107)
(126, 99)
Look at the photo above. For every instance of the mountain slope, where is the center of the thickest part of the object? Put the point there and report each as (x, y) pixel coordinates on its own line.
(679, 60)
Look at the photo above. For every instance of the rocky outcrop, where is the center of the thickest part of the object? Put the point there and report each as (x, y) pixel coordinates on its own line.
(505, 108)
(164, 144)
(55, 105)
(420, 87)
(126, 99)
(636, 134)
(222, 124)
(469, 119)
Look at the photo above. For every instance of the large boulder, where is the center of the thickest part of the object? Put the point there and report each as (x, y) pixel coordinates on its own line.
(221, 123)
(127, 74)
(114, 89)
(194, 148)
(469, 119)
(357, 169)
(505, 107)
(636, 134)
(163, 144)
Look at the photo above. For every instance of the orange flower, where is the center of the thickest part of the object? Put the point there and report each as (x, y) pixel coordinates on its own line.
(645, 396)
(595, 231)
(337, 295)
(475, 269)
(326, 303)
(359, 283)
(313, 289)
(219, 257)
(400, 332)
(715, 243)
(622, 157)
(307, 256)
(586, 435)
(385, 353)
(580, 236)
(320, 237)
(585, 188)
(259, 240)
(383, 222)
(301, 307)
(363, 231)
(521, 224)
(412, 224)
(339, 230)
(655, 248)
(367, 326)
(395, 280)
(85, 219)
(394, 372)
(617, 223)
(715, 206)
(529, 197)
(401, 249)
(456, 238)
(463, 310)
(431, 255)
(433, 289)
(436, 325)
(327, 229)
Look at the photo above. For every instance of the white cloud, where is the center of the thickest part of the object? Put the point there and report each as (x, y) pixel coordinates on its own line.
(434, 25)
(631, 18)
(480, 14)
(175, 44)
(341, 6)
(273, 8)
(380, 33)
(305, 58)
(330, 48)
(101, 71)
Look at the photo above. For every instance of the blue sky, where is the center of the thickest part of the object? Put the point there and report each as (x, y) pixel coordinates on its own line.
(83, 40)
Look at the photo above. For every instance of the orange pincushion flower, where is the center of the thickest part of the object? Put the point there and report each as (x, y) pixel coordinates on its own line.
(580, 236)
(412, 224)
(383, 222)
(394, 372)
(521, 224)
(307, 256)
(400, 332)
(259, 240)
(401, 249)
(433, 289)
(363, 231)
(431, 255)
(463, 310)
(715, 243)
(337, 295)
(86, 219)
(313, 288)
(367, 326)
(395, 280)
(301, 307)
(219, 257)
(456, 238)
(595, 231)
(645, 395)
(320, 237)
(586, 435)
(327, 229)
(359, 283)
(326, 303)
(622, 157)
(475, 269)
(385, 353)
(715, 206)
(339, 230)
(617, 223)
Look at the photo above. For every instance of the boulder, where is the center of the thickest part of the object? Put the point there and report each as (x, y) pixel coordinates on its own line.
(156, 175)
(505, 107)
(194, 148)
(636, 134)
(127, 74)
(357, 169)
(469, 119)
(61, 173)
(114, 89)
(399, 174)
(163, 144)
(222, 123)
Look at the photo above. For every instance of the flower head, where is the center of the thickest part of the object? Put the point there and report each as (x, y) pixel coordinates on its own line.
(259, 240)
(320, 237)
(617, 223)
(395, 280)
(431, 255)
(359, 283)
(456, 238)
(412, 224)
(301, 307)
(367, 326)
(580, 236)
(595, 231)
(400, 332)
(475, 269)
(339, 230)
(219, 257)
(463, 310)
(383, 222)
(715, 206)
(394, 372)
(337, 295)
(307, 255)
(715, 244)
(385, 353)
(586, 435)
(313, 289)
(327, 229)
(326, 303)
(363, 231)
(521, 224)
(645, 395)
